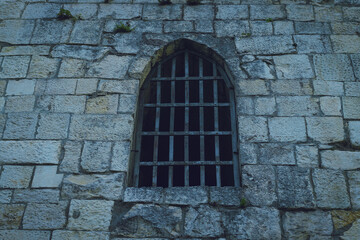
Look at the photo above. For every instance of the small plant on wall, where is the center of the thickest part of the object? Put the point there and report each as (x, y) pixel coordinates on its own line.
(193, 2)
(123, 28)
(164, 2)
(66, 14)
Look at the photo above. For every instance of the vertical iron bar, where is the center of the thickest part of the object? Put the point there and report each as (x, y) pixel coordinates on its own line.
(202, 138)
(172, 119)
(216, 128)
(186, 138)
(157, 125)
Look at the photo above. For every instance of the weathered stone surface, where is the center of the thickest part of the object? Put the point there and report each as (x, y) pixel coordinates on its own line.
(307, 156)
(293, 66)
(283, 27)
(328, 13)
(101, 127)
(265, 106)
(297, 106)
(5, 196)
(85, 11)
(14, 67)
(16, 176)
(263, 12)
(120, 157)
(253, 223)
(294, 187)
(25, 50)
(225, 12)
(345, 43)
(73, 235)
(261, 28)
(127, 103)
(79, 51)
(313, 44)
(351, 13)
(93, 186)
(20, 87)
(354, 187)
(353, 232)
(10, 215)
(265, 45)
(45, 216)
(343, 218)
(351, 107)
(318, 129)
(287, 129)
(333, 67)
(72, 68)
(107, 104)
(258, 184)
(330, 106)
(60, 86)
(354, 130)
(155, 221)
(272, 153)
(330, 189)
(24, 234)
(167, 12)
(186, 196)
(259, 69)
(340, 160)
(96, 156)
(20, 126)
(69, 103)
(19, 103)
(300, 12)
(86, 86)
(86, 32)
(302, 225)
(253, 87)
(355, 59)
(312, 28)
(40, 10)
(345, 27)
(120, 11)
(204, 221)
(36, 196)
(110, 67)
(16, 31)
(198, 12)
(11, 9)
(227, 196)
(53, 126)
(46, 177)
(152, 195)
(292, 87)
(36, 152)
(248, 153)
(51, 32)
(328, 88)
(71, 160)
(124, 43)
(253, 129)
(244, 106)
(231, 28)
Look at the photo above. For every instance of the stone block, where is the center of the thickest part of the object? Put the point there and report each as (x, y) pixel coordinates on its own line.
(72, 68)
(14, 67)
(84, 52)
(313, 44)
(107, 104)
(19, 103)
(345, 43)
(312, 28)
(330, 106)
(60, 86)
(265, 106)
(53, 126)
(300, 12)
(231, 28)
(71, 160)
(120, 11)
(126, 86)
(96, 156)
(248, 153)
(101, 127)
(149, 195)
(43, 67)
(120, 157)
(253, 87)
(5, 196)
(2, 122)
(11, 9)
(345, 28)
(287, 129)
(344, 160)
(35, 152)
(127, 103)
(307, 156)
(225, 12)
(94, 186)
(204, 221)
(69, 103)
(51, 32)
(45, 216)
(24, 234)
(293, 66)
(333, 67)
(283, 27)
(16, 176)
(125, 43)
(86, 85)
(262, 12)
(302, 225)
(351, 13)
(276, 154)
(41, 10)
(244, 106)
(72, 235)
(261, 28)
(2, 87)
(292, 87)
(318, 129)
(10, 215)
(178, 26)
(265, 45)
(330, 189)
(226, 196)
(353, 232)
(355, 59)
(297, 106)
(167, 12)
(328, 13)
(140, 67)
(294, 188)
(36, 196)
(46, 177)
(86, 11)
(110, 67)
(329, 88)
(253, 129)
(344, 218)
(25, 50)
(20, 126)
(185, 196)
(86, 32)
(90, 215)
(259, 69)
(245, 224)
(199, 12)
(258, 182)
(354, 187)
(354, 132)
(351, 107)
(16, 31)
(20, 87)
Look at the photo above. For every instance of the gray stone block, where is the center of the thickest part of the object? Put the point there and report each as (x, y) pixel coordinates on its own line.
(25, 50)
(199, 12)
(307, 156)
(329, 88)
(147, 195)
(276, 154)
(11, 215)
(258, 182)
(287, 129)
(16, 31)
(353, 232)
(330, 106)
(294, 188)
(355, 59)
(225, 12)
(344, 160)
(96, 156)
(328, 13)
(248, 153)
(261, 28)
(14, 67)
(24, 234)
(70, 235)
(265, 106)
(79, 51)
(5, 196)
(2, 122)
(226, 196)
(333, 67)
(283, 27)
(46, 177)
(354, 132)
(293, 66)
(178, 26)
(345, 43)
(253, 87)
(45, 216)
(41, 10)
(11, 9)
(345, 27)
(120, 11)
(259, 69)
(60, 86)
(16, 176)
(127, 103)
(354, 187)
(124, 43)
(265, 45)
(20, 126)
(72, 68)
(126, 86)
(86, 85)
(20, 87)
(69, 104)
(36, 196)
(51, 32)
(94, 186)
(318, 129)
(167, 12)
(53, 126)
(351, 13)
(85, 11)
(19, 103)
(297, 106)
(231, 28)
(107, 104)
(312, 28)
(43, 67)
(120, 156)
(253, 129)
(300, 12)
(36, 152)
(292, 87)
(313, 44)
(71, 160)
(261, 12)
(186, 196)
(2, 87)
(110, 67)
(351, 107)
(330, 189)
(86, 32)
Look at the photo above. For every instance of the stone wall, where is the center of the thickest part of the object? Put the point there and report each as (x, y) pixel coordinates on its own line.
(68, 92)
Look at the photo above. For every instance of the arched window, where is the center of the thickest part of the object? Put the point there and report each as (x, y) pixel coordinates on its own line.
(186, 130)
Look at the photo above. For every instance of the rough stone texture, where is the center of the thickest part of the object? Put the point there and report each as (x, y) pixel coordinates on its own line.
(345, 43)
(354, 183)
(259, 185)
(86, 32)
(248, 153)
(36, 152)
(110, 67)
(186, 196)
(53, 126)
(86, 86)
(318, 127)
(169, 12)
(272, 153)
(333, 67)
(93, 186)
(10, 215)
(102, 104)
(46, 177)
(343, 218)
(330, 189)
(292, 87)
(19, 104)
(255, 87)
(302, 225)
(20, 126)
(198, 12)
(351, 107)
(16, 176)
(353, 232)
(312, 28)
(96, 156)
(253, 223)
(264, 12)
(40, 10)
(126, 86)
(265, 45)
(227, 196)
(354, 130)
(73, 235)
(36, 196)
(259, 69)
(313, 44)
(69, 103)
(120, 157)
(14, 67)
(5, 196)
(16, 31)
(45, 216)
(120, 11)
(297, 106)
(290, 129)
(78, 51)
(24, 234)
(355, 59)
(231, 28)
(253, 129)
(328, 13)
(20, 87)
(60, 86)
(307, 156)
(71, 160)
(330, 106)
(72, 68)
(265, 106)
(43, 67)
(300, 12)
(328, 88)
(293, 66)
(294, 187)
(232, 12)
(340, 160)
(51, 32)
(152, 195)
(11, 9)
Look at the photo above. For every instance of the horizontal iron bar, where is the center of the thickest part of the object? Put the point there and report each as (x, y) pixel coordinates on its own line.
(185, 78)
(187, 105)
(190, 163)
(190, 133)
